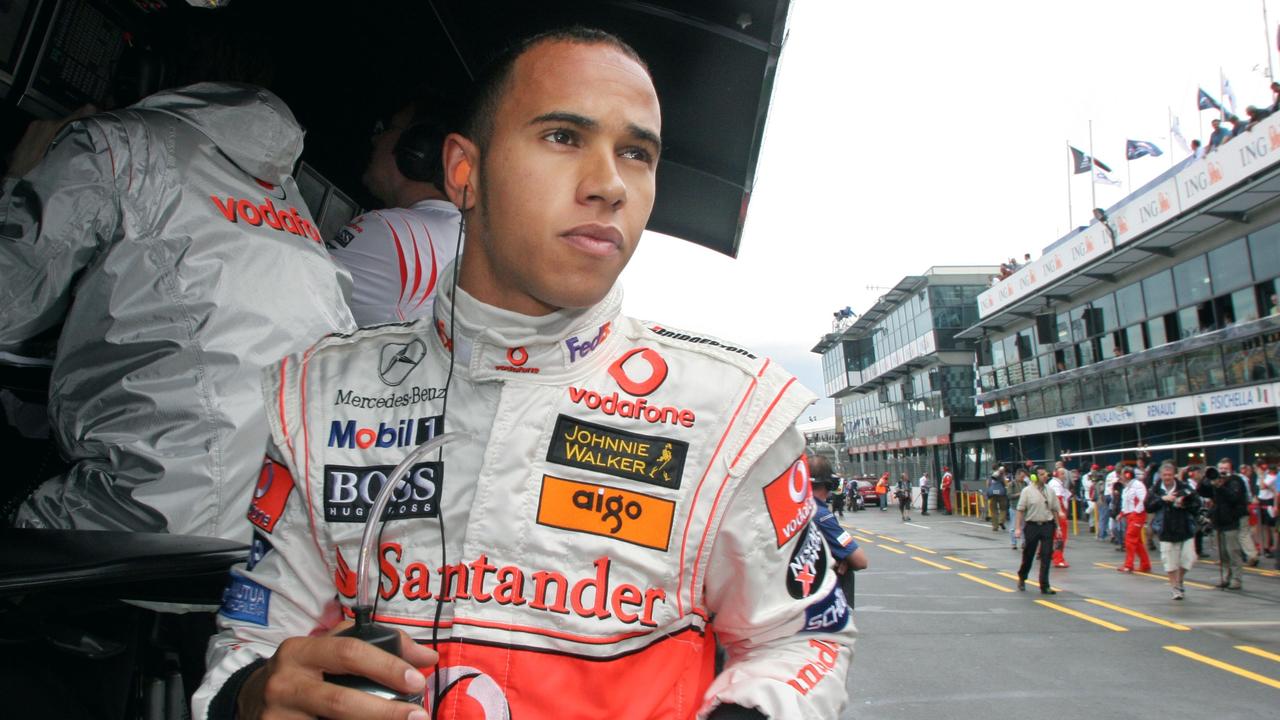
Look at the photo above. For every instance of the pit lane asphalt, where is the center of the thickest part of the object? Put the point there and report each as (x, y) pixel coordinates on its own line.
(943, 634)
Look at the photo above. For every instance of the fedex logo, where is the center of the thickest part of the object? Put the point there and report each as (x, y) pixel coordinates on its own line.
(579, 349)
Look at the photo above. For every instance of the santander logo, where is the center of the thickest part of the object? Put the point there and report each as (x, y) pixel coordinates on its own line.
(237, 210)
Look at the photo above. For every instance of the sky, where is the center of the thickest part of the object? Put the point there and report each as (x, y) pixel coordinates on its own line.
(906, 135)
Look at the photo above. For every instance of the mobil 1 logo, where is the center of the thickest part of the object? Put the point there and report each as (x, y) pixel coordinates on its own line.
(349, 492)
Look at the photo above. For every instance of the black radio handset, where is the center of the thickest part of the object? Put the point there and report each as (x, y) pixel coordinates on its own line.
(365, 628)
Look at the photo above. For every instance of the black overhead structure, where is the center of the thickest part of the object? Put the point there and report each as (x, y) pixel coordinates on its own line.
(342, 66)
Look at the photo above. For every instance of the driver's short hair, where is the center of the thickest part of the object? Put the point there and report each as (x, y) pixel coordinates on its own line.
(492, 83)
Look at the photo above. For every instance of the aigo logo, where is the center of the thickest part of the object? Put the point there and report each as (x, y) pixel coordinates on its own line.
(626, 379)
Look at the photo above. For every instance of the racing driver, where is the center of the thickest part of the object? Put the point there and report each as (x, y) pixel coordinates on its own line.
(625, 495)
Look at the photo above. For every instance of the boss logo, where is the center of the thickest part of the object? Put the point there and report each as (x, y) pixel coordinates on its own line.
(349, 492)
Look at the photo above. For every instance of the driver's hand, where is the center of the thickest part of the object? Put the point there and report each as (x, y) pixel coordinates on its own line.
(292, 685)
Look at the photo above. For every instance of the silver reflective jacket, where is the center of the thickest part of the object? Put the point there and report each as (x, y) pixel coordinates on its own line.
(171, 240)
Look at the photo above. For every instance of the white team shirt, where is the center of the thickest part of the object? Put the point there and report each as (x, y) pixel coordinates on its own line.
(395, 257)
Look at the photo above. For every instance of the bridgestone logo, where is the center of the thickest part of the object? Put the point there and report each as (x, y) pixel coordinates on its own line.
(701, 341)
(412, 396)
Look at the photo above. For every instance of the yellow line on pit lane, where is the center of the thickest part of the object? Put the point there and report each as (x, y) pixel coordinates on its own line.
(988, 583)
(1164, 578)
(860, 539)
(1224, 666)
(930, 563)
(886, 537)
(1137, 614)
(1014, 578)
(1082, 616)
(962, 561)
(1249, 569)
(1259, 652)
(892, 549)
(921, 549)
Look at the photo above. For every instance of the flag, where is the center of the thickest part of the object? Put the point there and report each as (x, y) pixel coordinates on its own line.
(1175, 129)
(1204, 102)
(1228, 94)
(1081, 161)
(1102, 178)
(1134, 149)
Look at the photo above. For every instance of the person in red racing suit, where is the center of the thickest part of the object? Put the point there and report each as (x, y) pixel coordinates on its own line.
(625, 495)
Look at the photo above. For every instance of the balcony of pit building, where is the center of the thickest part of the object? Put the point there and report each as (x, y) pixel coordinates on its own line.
(823, 436)
(1166, 303)
(902, 381)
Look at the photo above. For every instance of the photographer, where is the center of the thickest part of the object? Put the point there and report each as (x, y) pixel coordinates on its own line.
(1227, 500)
(1176, 508)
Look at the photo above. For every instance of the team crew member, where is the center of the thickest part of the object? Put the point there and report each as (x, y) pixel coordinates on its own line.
(1228, 501)
(583, 575)
(1035, 519)
(946, 490)
(1133, 508)
(848, 556)
(396, 255)
(159, 235)
(1180, 508)
(925, 484)
(1058, 486)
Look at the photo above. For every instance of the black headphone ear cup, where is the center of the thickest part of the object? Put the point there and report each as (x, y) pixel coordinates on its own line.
(417, 154)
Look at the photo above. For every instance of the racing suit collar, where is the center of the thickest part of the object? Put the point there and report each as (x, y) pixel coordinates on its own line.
(493, 343)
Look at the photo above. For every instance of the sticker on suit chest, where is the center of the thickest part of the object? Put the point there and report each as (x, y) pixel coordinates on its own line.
(632, 456)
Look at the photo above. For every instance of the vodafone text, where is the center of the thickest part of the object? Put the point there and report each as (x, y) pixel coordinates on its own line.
(285, 220)
(634, 408)
(481, 581)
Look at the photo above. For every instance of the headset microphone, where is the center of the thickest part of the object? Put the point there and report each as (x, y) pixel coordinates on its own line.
(381, 636)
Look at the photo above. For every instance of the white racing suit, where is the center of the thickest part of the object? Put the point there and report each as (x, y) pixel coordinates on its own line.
(626, 496)
(395, 257)
(171, 240)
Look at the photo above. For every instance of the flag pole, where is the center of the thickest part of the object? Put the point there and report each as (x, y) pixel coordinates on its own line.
(1169, 111)
(1071, 168)
(1266, 31)
(1093, 186)
(1128, 173)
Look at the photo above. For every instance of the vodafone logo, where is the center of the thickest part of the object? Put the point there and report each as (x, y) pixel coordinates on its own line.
(469, 693)
(516, 358)
(798, 482)
(626, 369)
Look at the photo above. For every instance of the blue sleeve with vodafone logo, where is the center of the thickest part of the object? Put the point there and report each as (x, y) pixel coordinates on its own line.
(839, 540)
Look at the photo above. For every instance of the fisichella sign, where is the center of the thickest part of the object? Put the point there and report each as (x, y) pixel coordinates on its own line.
(1243, 156)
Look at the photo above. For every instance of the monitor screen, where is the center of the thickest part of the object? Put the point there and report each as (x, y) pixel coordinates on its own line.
(338, 211)
(16, 20)
(312, 185)
(78, 59)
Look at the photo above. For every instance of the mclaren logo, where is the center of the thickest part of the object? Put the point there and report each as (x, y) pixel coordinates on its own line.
(399, 359)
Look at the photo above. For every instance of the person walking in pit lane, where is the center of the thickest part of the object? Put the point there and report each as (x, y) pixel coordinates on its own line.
(1133, 508)
(1036, 518)
(1178, 507)
(903, 494)
(882, 492)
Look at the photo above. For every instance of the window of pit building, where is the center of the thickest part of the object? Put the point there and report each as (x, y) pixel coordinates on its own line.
(1052, 401)
(1171, 377)
(1159, 294)
(1114, 388)
(1091, 395)
(1264, 252)
(1229, 267)
(1245, 361)
(1129, 304)
(1070, 391)
(1204, 369)
(1142, 383)
(1136, 338)
(1191, 281)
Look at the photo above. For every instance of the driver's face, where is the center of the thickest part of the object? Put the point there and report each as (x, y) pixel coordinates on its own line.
(566, 184)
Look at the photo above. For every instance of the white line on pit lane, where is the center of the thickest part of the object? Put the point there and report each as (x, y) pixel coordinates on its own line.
(966, 522)
(926, 527)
